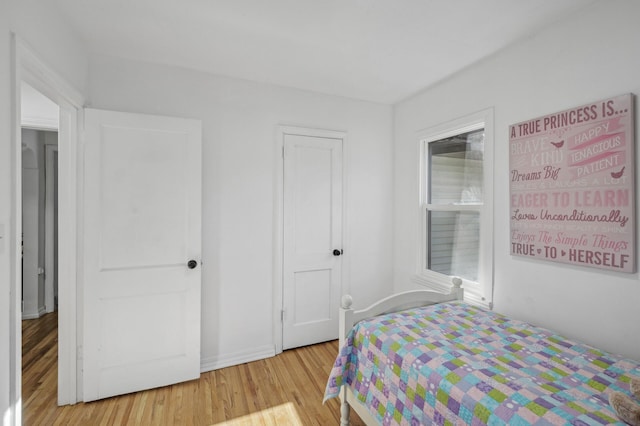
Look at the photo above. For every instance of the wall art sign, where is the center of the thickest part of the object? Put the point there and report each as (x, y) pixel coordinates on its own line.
(572, 197)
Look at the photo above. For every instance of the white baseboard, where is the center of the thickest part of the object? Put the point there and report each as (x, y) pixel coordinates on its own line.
(217, 362)
(28, 316)
(34, 315)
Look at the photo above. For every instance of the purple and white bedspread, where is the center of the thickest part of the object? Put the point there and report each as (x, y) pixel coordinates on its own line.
(455, 364)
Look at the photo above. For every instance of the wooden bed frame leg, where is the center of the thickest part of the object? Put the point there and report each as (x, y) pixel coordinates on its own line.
(344, 414)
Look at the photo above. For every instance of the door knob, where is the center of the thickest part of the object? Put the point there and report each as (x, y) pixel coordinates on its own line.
(337, 252)
(192, 264)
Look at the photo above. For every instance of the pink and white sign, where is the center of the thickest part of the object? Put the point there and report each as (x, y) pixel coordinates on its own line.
(572, 186)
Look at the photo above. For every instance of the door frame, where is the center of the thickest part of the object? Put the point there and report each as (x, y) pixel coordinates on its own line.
(278, 220)
(28, 67)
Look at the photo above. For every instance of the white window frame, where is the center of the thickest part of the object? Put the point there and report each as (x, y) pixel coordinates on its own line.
(480, 292)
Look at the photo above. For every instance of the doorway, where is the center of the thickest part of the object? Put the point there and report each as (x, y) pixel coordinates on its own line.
(39, 142)
(29, 69)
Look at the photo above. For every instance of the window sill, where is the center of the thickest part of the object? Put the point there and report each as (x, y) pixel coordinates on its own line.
(443, 285)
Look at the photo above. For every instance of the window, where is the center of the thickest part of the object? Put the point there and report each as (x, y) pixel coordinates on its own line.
(455, 207)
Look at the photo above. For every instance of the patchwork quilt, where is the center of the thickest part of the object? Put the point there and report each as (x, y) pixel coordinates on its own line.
(455, 364)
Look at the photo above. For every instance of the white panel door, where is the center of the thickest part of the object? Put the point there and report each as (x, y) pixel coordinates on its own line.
(142, 201)
(312, 239)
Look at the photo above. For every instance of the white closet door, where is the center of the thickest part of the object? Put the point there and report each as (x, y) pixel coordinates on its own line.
(312, 239)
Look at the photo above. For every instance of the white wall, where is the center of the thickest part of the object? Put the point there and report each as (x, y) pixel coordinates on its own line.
(583, 58)
(240, 121)
(39, 25)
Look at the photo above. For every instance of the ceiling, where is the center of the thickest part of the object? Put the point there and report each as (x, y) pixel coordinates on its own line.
(375, 50)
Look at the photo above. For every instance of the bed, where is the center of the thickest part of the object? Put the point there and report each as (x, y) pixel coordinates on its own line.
(421, 358)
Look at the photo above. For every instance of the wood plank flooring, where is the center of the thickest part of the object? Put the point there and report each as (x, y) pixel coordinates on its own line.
(283, 390)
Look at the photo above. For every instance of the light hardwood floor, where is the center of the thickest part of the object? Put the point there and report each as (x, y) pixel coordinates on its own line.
(283, 390)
